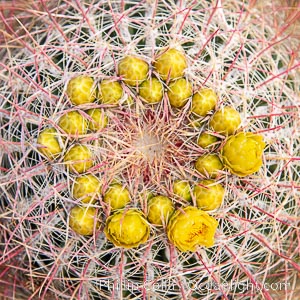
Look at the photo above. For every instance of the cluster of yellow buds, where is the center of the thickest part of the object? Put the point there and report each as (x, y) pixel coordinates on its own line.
(169, 66)
(241, 153)
(78, 159)
(187, 227)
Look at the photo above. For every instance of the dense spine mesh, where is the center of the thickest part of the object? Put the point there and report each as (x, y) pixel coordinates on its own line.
(246, 51)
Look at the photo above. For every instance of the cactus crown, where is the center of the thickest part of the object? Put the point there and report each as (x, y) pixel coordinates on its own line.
(237, 50)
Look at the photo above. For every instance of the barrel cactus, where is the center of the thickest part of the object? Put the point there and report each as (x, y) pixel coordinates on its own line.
(114, 91)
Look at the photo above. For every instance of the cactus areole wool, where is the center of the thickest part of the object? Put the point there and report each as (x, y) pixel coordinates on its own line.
(183, 214)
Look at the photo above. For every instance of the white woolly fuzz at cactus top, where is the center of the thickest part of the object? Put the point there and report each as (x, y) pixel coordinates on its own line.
(149, 144)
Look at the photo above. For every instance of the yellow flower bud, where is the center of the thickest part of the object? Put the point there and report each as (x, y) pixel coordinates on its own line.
(209, 165)
(242, 153)
(83, 220)
(160, 208)
(78, 159)
(204, 101)
(151, 90)
(209, 194)
(99, 119)
(191, 227)
(170, 64)
(117, 196)
(133, 70)
(225, 121)
(110, 92)
(87, 188)
(182, 189)
(81, 90)
(73, 123)
(127, 228)
(179, 91)
(206, 140)
(48, 138)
